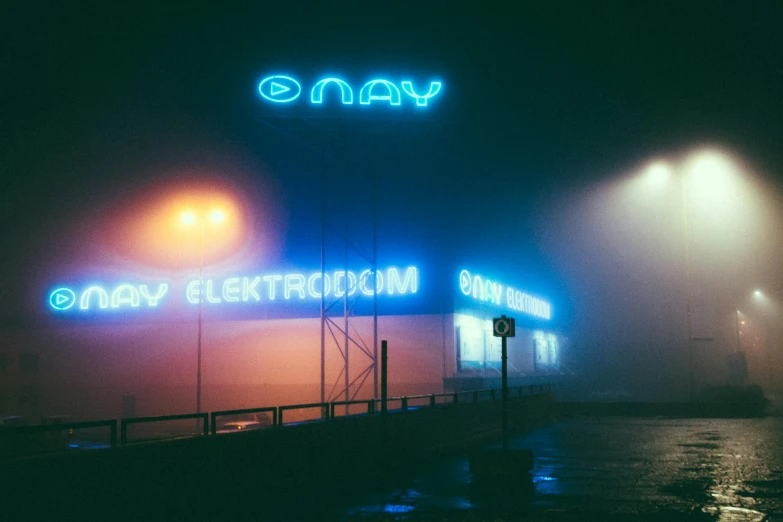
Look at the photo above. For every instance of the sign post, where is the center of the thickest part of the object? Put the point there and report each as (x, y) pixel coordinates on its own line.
(383, 376)
(504, 327)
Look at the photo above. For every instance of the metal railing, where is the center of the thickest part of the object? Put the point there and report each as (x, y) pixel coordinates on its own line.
(369, 402)
(162, 418)
(111, 424)
(327, 411)
(323, 405)
(226, 413)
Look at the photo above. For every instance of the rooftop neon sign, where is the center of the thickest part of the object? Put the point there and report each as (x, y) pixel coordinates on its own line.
(486, 290)
(291, 286)
(331, 90)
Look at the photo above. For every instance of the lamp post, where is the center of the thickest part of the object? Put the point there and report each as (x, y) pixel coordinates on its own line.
(711, 186)
(688, 318)
(189, 219)
(766, 332)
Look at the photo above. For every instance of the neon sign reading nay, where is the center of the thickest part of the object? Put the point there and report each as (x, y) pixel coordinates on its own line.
(289, 286)
(488, 291)
(281, 89)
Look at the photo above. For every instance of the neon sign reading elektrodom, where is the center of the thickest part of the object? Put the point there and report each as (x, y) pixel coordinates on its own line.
(488, 291)
(281, 89)
(291, 286)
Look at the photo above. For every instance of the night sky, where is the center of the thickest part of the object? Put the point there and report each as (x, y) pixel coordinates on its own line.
(99, 102)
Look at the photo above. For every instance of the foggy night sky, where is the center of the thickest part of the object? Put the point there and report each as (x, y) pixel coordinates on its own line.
(542, 107)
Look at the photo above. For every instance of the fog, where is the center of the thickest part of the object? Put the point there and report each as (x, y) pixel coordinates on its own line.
(620, 247)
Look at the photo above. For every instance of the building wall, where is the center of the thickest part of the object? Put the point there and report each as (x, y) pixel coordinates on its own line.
(84, 371)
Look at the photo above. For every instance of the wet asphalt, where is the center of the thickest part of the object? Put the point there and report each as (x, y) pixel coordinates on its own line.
(613, 468)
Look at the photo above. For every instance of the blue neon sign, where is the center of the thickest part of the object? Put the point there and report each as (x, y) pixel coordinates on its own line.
(291, 286)
(280, 89)
(492, 292)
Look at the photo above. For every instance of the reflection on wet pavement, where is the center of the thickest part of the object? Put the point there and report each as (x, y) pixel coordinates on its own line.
(614, 469)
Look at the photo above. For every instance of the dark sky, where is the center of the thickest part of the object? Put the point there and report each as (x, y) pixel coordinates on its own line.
(98, 101)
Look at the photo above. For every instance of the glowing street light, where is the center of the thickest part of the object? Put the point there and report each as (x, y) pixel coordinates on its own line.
(216, 216)
(711, 175)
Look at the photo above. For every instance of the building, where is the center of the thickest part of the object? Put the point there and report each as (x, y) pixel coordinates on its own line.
(129, 347)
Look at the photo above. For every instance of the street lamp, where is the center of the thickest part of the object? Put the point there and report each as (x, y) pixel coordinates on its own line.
(711, 174)
(658, 174)
(766, 330)
(190, 219)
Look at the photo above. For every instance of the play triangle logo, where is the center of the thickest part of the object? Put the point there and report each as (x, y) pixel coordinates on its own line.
(62, 299)
(279, 89)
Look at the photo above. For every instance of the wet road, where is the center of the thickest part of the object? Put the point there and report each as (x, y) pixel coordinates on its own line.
(610, 469)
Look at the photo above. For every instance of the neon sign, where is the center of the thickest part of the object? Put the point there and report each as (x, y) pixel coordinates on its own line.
(486, 290)
(292, 286)
(281, 89)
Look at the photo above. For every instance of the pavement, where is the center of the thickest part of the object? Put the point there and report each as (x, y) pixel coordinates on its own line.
(611, 468)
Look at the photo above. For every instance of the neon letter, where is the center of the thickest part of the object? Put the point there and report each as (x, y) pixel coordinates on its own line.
(272, 280)
(249, 288)
(193, 291)
(366, 95)
(488, 294)
(131, 297)
(365, 277)
(317, 94)
(211, 298)
(103, 298)
(351, 285)
(326, 286)
(299, 286)
(497, 291)
(478, 288)
(421, 101)
(411, 279)
(231, 290)
(152, 300)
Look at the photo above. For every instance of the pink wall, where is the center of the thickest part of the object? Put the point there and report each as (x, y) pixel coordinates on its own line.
(84, 370)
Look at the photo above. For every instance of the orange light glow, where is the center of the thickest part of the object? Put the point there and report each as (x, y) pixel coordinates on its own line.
(169, 230)
(217, 216)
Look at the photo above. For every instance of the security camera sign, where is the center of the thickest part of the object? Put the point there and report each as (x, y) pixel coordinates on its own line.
(503, 327)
